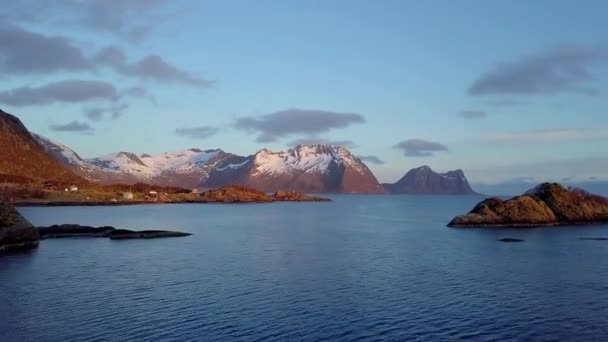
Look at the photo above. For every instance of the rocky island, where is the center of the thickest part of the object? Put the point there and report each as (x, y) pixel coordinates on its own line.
(549, 204)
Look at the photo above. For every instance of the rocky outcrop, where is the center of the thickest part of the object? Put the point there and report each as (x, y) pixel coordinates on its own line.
(76, 230)
(241, 194)
(548, 204)
(16, 233)
(294, 196)
(423, 180)
(123, 234)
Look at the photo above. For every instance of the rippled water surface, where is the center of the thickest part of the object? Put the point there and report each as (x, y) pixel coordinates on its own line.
(363, 268)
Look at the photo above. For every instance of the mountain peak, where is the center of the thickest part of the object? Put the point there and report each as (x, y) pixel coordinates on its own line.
(423, 180)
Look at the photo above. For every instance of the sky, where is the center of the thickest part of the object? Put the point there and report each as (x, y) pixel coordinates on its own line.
(506, 90)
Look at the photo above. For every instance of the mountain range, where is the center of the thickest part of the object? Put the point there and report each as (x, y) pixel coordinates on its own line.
(306, 168)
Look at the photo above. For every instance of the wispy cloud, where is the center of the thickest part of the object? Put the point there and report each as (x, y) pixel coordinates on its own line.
(274, 126)
(564, 69)
(74, 127)
(99, 113)
(25, 52)
(68, 91)
(546, 135)
(472, 114)
(420, 147)
(149, 67)
(20, 53)
(322, 141)
(202, 132)
(132, 20)
(372, 159)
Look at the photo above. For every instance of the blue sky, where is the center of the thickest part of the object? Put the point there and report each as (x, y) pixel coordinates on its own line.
(505, 90)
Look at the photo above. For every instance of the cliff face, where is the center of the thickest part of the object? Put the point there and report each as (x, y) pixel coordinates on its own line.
(22, 157)
(547, 204)
(423, 180)
(16, 233)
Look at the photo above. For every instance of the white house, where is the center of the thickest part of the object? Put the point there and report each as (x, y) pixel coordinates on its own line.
(73, 188)
(127, 195)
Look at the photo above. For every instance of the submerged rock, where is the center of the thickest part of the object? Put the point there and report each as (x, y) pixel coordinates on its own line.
(549, 204)
(510, 240)
(120, 234)
(75, 230)
(16, 233)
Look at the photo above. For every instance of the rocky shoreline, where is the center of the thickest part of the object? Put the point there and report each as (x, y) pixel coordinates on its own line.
(228, 194)
(549, 204)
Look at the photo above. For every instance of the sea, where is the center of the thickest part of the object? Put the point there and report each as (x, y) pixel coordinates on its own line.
(361, 268)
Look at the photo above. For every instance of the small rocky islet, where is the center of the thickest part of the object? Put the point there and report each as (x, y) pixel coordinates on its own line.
(549, 204)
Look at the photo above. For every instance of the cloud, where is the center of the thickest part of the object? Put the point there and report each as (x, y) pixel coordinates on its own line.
(504, 103)
(575, 169)
(419, 147)
(472, 114)
(274, 126)
(99, 113)
(24, 52)
(564, 69)
(69, 91)
(372, 159)
(74, 126)
(129, 19)
(202, 132)
(546, 136)
(322, 141)
(149, 67)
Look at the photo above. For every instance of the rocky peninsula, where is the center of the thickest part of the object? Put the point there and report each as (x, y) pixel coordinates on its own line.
(549, 204)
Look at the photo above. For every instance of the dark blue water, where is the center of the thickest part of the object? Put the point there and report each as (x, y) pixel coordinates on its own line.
(363, 268)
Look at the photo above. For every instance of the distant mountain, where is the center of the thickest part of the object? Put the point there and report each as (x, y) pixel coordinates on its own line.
(181, 168)
(22, 157)
(423, 180)
(307, 168)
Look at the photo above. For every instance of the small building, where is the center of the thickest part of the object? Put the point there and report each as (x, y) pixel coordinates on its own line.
(153, 193)
(127, 195)
(73, 188)
(196, 191)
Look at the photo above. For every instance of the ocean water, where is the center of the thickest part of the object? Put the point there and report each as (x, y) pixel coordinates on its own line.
(362, 268)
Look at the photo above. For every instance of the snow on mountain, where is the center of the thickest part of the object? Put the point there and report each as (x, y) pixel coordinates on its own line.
(149, 166)
(179, 168)
(304, 158)
(311, 168)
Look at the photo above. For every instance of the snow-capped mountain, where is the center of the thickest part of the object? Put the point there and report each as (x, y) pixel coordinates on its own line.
(423, 180)
(308, 168)
(181, 168)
